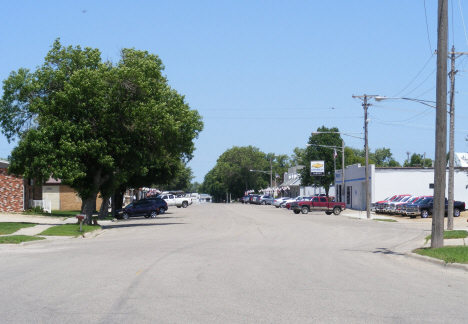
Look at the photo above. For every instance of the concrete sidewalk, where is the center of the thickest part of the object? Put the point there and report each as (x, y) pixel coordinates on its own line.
(43, 222)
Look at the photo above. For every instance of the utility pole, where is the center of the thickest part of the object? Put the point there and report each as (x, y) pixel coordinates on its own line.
(424, 161)
(437, 237)
(366, 146)
(451, 184)
(342, 173)
(407, 161)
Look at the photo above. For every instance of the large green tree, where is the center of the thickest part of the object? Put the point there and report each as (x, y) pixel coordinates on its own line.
(232, 174)
(321, 149)
(94, 124)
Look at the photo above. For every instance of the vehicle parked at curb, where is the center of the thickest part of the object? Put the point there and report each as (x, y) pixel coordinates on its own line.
(391, 207)
(279, 200)
(288, 204)
(318, 203)
(146, 207)
(425, 208)
(290, 200)
(265, 200)
(172, 200)
(254, 199)
(162, 204)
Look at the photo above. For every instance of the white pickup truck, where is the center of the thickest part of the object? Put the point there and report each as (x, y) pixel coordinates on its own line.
(173, 200)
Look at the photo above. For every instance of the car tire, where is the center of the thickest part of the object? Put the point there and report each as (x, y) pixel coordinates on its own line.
(179, 206)
(336, 211)
(125, 216)
(154, 213)
(263, 202)
(328, 213)
(304, 210)
(424, 213)
(147, 216)
(456, 212)
(296, 211)
(277, 206)
(162, 210)
(184, 204)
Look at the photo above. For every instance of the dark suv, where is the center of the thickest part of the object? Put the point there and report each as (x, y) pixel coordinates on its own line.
(146, 207)
(162, 204)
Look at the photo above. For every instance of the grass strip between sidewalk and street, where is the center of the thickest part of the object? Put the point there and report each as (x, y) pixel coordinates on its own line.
(384, 219)
(17, 239)
(11, 227)
(69, 230)
(451, 235)
(449, 254)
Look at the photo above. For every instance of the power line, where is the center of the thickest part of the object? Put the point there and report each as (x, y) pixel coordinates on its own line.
(427, 29)
(396, 95)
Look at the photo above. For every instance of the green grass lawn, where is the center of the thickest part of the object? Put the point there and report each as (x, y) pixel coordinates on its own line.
(450, 254)
(385, 220)
(61, 213)
(451, 235)
(10, 228)
(68, 230)
(16, 239)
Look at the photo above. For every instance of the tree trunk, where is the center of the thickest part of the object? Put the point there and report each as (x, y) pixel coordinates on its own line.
(88, 207)
(104, 210)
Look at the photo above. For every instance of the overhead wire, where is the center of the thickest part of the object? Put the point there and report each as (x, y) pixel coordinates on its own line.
(427, 28)
(395, 95)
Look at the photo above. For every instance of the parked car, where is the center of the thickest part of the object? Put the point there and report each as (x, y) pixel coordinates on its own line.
(172, 200)
(278, 201)
(425, 207)
(266, 200)
(298, 198)
(289, 203)
(391, 208)
(318, 203)
(162, 204)
(146, 207)
(254, 199)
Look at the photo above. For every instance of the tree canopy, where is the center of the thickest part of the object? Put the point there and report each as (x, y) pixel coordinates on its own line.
(96, 124)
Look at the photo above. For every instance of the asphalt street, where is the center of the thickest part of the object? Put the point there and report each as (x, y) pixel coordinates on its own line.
(232, 263)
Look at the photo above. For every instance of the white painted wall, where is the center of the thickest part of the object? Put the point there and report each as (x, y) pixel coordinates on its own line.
(385, 182)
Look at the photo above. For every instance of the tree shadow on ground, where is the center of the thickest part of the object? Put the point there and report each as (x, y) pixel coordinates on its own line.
(138, 225)
(387, 251)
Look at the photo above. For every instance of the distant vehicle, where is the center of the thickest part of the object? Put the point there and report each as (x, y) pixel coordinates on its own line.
(146, 207)
(162, 204)
(298, 198)
(266, 200)
(425, 207)
(172, 200)
(318, 203)
(278, 201)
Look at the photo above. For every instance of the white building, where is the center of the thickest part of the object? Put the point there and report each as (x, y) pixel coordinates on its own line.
(385, 182)
(292, 180)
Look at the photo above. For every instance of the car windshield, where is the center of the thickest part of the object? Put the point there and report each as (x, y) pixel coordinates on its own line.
(426, 201)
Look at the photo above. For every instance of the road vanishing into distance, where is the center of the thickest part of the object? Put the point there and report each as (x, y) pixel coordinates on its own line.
(232, 263)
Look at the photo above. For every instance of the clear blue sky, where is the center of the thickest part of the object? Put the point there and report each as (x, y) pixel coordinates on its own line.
(266, 73)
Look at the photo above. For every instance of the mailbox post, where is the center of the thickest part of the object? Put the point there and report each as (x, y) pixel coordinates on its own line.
(80, 218)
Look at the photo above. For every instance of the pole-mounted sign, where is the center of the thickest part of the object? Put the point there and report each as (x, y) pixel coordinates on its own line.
(317, 168)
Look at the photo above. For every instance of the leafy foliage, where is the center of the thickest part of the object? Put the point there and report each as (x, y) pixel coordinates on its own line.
(417, 160)
(96, 125)
(320, 148)
(232, 174)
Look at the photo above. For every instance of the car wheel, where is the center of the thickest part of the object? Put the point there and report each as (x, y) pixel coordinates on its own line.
(184, 204)
(328, 213)
(162, 210)
(336, 211)
(424, 213)
(263, 202)
(146, 216)
(179, 206)
(296, 211)
(305, 210)
(154, 214)
(125, 216)
(456, 212)
(277, 206)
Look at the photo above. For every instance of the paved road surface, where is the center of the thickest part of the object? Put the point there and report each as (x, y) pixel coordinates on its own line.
(220, 263)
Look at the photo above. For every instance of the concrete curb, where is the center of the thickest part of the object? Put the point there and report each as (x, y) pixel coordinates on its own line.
(437, 261)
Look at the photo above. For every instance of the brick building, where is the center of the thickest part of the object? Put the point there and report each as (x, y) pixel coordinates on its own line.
(62, 196)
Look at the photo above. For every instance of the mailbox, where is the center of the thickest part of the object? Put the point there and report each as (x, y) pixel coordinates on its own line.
(81, 216)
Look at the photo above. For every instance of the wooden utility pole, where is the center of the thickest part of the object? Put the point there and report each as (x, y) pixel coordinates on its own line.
(437, 237)
(366, 146)
(451, 184)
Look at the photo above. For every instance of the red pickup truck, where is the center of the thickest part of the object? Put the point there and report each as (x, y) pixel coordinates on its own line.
(318, 203)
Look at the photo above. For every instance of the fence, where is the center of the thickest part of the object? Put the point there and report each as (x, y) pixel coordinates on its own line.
(46, 205)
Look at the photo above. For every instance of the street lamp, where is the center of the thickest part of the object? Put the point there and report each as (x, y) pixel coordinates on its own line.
(343, 167)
